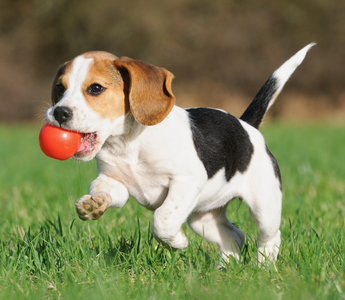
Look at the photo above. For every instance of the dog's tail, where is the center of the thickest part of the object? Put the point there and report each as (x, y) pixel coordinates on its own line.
(256, 111)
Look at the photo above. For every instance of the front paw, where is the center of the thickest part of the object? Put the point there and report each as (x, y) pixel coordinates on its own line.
(92, 207)
(178, 242)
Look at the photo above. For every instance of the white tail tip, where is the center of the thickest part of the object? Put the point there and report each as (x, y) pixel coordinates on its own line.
(285, 71)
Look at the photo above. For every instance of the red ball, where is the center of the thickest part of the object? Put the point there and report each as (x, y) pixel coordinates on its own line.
(59, 143)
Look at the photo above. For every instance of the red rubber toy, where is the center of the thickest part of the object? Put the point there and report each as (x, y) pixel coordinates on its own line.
(59, 143)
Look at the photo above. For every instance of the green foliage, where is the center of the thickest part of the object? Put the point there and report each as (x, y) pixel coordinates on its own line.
(220, 41)
(46, 252)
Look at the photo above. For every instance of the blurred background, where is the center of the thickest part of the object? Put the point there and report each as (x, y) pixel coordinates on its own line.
(220, 51)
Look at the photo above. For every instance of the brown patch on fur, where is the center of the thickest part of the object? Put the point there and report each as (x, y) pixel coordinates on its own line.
(129, 85)
(100, 55)
(149, 90)
(111, 103)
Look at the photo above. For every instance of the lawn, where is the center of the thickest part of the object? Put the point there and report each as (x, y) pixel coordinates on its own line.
(46, 252)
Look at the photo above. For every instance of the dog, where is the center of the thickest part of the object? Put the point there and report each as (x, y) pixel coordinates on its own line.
(183, 164)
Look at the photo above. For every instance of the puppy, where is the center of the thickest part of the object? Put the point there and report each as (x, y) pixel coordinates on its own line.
(183, 164)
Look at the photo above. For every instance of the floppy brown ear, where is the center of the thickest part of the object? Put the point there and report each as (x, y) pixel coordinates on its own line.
(149, 91)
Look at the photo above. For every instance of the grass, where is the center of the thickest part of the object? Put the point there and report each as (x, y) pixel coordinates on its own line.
(46, 252)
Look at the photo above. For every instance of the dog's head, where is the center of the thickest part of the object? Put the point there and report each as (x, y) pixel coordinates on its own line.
(94, 92)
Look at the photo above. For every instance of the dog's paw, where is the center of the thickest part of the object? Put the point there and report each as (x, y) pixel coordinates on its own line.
(178, 242)
(269, 249)
(92, 207)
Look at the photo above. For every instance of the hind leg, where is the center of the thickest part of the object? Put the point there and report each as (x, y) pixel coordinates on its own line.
(215, 227)
(265, 208)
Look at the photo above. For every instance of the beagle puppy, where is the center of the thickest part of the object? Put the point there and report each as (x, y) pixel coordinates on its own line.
(183, 164)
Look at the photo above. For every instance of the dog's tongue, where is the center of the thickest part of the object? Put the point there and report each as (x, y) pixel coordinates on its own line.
(83, 146)
(85, 143)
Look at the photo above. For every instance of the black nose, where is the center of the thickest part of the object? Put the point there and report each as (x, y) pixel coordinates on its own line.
(62, 114)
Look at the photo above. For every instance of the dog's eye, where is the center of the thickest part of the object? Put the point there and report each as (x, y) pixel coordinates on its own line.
(60, 90)
(95, 89)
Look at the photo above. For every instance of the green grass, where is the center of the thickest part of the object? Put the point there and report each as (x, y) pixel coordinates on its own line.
(46, 252)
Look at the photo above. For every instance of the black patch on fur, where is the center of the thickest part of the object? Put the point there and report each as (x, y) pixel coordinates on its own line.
(275, 166)
(256, 111)
(220, 141)
(54, 94)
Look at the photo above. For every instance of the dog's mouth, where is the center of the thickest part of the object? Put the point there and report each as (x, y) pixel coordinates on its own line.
(88, 141)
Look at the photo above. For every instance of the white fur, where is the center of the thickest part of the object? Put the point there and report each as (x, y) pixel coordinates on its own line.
(285, 71)
(159, 166)
(161, 170)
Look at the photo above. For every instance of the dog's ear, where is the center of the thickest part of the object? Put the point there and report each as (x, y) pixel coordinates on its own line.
(148, 88)
(57, 91)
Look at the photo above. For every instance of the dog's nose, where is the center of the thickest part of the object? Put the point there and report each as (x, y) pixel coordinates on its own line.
(62, 114)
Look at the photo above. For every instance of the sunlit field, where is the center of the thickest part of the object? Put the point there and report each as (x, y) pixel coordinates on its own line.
(46, 252)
